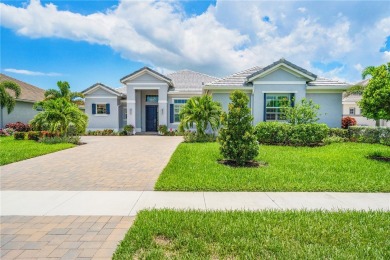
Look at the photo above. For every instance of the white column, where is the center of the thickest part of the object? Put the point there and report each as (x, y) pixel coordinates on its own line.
(131, 112)
(163, 112)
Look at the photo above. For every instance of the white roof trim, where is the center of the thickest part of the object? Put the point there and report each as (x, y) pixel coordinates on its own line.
(142, 72)
(282, 66)
(102, 87)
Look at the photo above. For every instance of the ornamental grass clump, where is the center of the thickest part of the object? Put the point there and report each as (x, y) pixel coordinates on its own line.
(237, 139)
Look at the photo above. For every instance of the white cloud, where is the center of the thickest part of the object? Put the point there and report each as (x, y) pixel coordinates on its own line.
(224, 39)
(358, 67)
(32, 73)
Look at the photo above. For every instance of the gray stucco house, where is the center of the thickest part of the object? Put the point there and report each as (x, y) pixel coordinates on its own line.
(148, 98)
(23, 111)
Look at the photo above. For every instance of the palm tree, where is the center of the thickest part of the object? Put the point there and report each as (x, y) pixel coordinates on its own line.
(64, 92)
(6, 100)
(58, 114)
(201, 111)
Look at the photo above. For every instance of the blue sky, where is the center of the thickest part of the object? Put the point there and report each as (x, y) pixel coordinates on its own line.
(84, 42)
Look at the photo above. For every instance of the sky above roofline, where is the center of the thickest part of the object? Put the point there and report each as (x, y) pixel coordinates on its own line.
(84, 42)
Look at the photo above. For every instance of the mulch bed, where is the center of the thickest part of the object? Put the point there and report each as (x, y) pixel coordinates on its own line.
(250, 164)
(379, 158)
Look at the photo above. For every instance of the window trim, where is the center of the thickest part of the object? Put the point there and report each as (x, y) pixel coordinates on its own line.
(173, 103)
(290, 95)
(354, 111)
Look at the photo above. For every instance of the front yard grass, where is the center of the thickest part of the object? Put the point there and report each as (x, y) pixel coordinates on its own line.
(17, 150)
(162, 234)
(340, 167)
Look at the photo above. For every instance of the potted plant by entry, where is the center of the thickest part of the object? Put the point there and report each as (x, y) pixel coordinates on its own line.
(129, 129)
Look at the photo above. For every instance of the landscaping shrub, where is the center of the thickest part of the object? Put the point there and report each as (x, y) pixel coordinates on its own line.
(384, 137)
(19, 126)
(348, 121)
(72, 130)
(288, 134)
(364, 134)
(60, 139)
(104, 132)
(339, 132)
(49, 134)
(19, 135)
(128, 128)
(193, 137)
(3, 132)
(122, 133)
(272, 132)
(333, 139)
(162, 129)
(303, 112)
(236, 137)
(33, 135)
(307, 134)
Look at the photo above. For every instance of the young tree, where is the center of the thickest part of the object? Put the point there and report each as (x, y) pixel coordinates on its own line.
(64, 92)
(7, 100)
(305, 112)
(375, 102)
(201, 111)
(236, 137)
(58, 114)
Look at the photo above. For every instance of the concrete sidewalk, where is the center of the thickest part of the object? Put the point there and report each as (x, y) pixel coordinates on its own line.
(128, 203)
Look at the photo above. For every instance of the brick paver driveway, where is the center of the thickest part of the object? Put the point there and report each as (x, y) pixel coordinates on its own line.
(104, 163)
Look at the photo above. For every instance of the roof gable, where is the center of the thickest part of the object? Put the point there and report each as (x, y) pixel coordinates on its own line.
(149, 71)
(28, 93)
(97, 86)
(282, 64)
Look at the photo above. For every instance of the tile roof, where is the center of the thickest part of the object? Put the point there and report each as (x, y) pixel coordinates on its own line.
(189, 81)
(326, 82)
(28, 93)
(352, 98)
(236, 79)
(282, 61)
(148, 69)
(118, 93)
(363, 83)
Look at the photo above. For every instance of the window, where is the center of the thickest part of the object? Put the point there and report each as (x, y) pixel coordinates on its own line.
(101, 109)
(152, 98)
(274, 104)
(351, 110)
(177, 105)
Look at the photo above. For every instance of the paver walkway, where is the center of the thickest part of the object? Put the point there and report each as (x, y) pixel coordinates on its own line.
(61, 237)
(105, 163)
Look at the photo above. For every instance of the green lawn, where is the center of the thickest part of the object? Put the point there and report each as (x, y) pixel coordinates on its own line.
(335, 167)
(17, 150)
(162, 234)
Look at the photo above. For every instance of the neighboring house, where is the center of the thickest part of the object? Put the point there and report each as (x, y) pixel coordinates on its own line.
(149, 99)
(352, 109)
(23, 111)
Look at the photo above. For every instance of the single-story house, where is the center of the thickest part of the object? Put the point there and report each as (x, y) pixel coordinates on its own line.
(23, 111)
(148, 98)
(352, 109)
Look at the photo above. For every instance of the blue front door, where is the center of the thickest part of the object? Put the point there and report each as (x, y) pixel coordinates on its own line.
(151, 118)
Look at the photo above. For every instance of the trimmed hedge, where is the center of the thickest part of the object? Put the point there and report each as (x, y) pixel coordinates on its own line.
(287, 134)
(34, 135)
(363, 134)
(19, 135)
